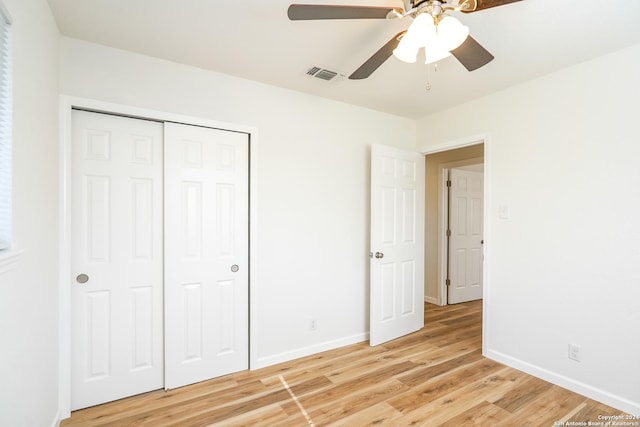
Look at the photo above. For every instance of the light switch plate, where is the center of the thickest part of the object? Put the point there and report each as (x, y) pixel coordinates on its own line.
(503, 211)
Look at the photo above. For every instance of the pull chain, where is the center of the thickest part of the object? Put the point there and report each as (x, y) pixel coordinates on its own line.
(435, 69)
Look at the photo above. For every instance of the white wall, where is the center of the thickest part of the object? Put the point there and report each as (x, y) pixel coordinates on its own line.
(29, 292)
(563, 155)
(313, 185)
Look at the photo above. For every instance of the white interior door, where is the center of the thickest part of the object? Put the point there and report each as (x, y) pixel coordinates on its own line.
(397, 243)
(116, 258)
(206, 253)
(465, 242)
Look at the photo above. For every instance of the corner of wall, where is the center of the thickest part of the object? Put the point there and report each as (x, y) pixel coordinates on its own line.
(594, 393)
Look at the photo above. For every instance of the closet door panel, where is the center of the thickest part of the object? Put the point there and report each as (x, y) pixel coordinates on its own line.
(116, 258)
(206, 253)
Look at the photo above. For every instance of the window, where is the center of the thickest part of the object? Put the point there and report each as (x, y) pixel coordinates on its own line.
(5, 129)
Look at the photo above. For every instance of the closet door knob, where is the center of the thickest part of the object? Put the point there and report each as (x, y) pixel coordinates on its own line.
(82, 278)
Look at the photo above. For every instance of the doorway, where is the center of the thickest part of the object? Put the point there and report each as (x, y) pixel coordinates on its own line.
(436, 253)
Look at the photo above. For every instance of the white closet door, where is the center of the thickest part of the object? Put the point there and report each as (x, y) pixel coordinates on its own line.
(206, 253)
(116, 258)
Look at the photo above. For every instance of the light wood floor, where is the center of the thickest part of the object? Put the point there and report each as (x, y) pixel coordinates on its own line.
(434, 377)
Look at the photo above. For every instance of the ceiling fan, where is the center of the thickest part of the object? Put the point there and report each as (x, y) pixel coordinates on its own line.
(430, 25)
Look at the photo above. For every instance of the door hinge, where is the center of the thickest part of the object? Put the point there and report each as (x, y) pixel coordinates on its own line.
(448, 233)
(448, 282)
(448, 183)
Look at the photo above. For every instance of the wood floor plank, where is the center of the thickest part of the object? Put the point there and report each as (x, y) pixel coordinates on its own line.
(357, 401)
(523, 394)
(137, 406)
(418, 376)
(381, 414)
(461, 399)
(272, 415)
(436, 376)
(483, 414)
(439, 354)
(344, 389)
(470, 319)
(433, 389)
(544, 409)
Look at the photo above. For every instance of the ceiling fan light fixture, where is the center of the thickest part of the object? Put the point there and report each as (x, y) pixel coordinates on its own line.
(451, 36)
(422, 29)
(421, 32)
(407, 50)
(451, 33)
(437, 35)
(433, 53)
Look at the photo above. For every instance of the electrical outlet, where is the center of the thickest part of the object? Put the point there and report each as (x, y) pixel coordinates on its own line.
(313, 324)
(575, 352)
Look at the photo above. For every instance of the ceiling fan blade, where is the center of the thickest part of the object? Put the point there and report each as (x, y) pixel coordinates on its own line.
(486, 4)
(377, 59)
(471, 54)
(305, 12)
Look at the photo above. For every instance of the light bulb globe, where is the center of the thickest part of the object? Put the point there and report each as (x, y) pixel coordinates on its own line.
(451, 33)
(407, 49)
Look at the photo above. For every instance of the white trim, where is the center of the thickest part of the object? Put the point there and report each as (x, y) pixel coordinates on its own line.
(591, 392)
(56, 420)
(310, 350)
(67, 103)
(64, 279)
(486, 247)
(458, 143)
(443, 213)
(145, 113)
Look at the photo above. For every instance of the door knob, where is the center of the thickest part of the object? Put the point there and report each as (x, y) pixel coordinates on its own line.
(82, 278)
(235, 268)
(379, 255)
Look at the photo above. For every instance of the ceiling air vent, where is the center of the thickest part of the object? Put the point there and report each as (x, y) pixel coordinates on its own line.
(324, 74)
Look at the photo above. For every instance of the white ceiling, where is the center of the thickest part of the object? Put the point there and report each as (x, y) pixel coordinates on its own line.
(254, 39)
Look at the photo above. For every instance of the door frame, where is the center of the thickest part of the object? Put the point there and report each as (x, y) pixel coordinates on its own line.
(452, 145)
(67, 104)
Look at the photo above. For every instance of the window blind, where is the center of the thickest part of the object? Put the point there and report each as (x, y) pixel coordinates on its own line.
(5, 130)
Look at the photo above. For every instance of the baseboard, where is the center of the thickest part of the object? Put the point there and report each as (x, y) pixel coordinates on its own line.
(263, 362)
(617, 402)
(432, 300)
(57, 419)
